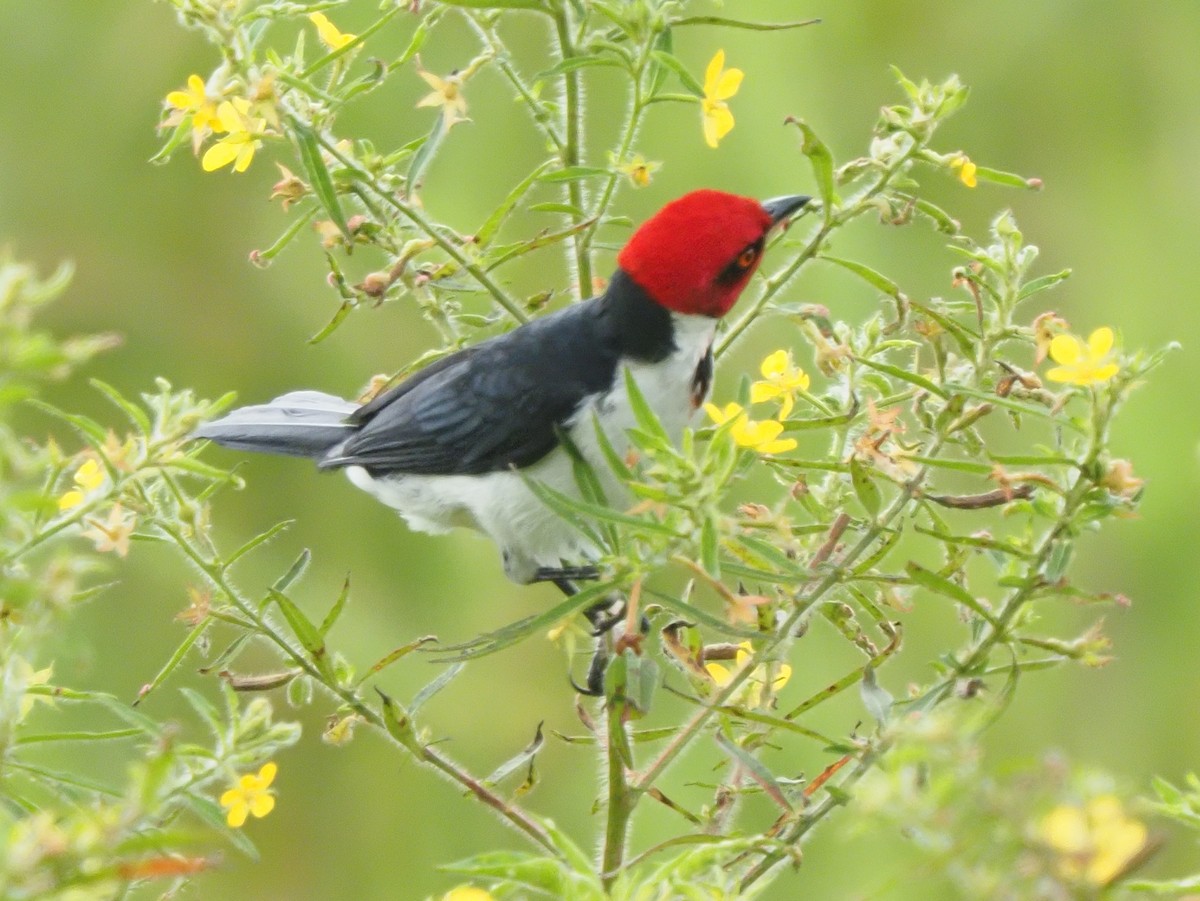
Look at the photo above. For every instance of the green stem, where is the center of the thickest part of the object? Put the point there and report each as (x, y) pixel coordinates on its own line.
(621, 801)
(501, 297)
(570, 154)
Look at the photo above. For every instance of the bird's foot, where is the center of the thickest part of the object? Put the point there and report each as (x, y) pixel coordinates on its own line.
(560, 574)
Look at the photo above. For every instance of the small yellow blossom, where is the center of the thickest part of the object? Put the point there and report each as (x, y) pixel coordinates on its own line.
(967, 170)
(761, 436)
(328, 32)
(719, 85)
(196, 103)
(757, 681)
(447, 93)
(639, 170)
(242, 140)
(251, 795)
(114, 533)
(468, 893)
(782, 379)
(1079, 365)
(1095, 843)
(88, 477)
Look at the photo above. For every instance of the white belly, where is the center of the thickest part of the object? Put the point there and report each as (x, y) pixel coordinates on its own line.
(501, 505)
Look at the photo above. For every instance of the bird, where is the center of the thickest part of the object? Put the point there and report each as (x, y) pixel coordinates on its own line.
(457, 443)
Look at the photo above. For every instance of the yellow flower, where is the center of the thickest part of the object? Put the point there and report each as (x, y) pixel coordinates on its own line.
(1096, 843)
(966, 170)
(781, 378)
(327, 31)
(196, 103)
(1079, 365)
(639, 170)
(114, 533)
(242, 140)
(746, 432)
(719, 85)
(468, 893)
(757, 681)
(447, 93)
(250, 796)
(88, 477)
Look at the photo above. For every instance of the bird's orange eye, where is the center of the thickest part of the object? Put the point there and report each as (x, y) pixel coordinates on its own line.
(747, 257)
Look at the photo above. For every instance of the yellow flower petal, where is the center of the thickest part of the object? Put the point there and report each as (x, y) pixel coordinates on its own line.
(719, 673)
(1066, 349)
(782, 446)
(713, 72)
(728, 84)
(218, 155)
(764, 391)
(262, 804)
(722, 415)
(782, 675)
(237, 814)
(718, 122)
(89, 476)
(266, 775)
(1099, 343)
(1105, 372)
(231, 796)
(774, 364)
(72, 498)
(179, 100)
(244, 155)
(785, 408)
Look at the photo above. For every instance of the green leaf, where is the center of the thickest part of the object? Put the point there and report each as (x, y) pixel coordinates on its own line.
(821, 161)
(90, 430)
(487, 231)
(877, 699)
(176, 658)
(865, 489)
(395, 654)
(304, 630)
(672, 62)
(318, 174)
(1010, 179)
(135, 413)
(645, 416)
(518, 761)
(427, 691)
(398, 723)
(425, 153)
(710, 547)
(905, 376)
(867, 274)
(257, 541)
(723, 22)
(939, 584)
(342, 312)
(574, 63)
(756, 769)
(574, 173)
(663, 43)
(294, 572)
(336, 610)
(1041, 284)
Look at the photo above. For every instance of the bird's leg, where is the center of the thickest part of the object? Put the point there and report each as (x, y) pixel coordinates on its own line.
(557, 574)
(604, 615)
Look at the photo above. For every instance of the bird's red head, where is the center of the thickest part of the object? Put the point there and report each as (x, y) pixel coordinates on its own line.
(697, 253)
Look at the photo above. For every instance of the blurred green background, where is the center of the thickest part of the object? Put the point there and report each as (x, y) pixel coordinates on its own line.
(1101, 100)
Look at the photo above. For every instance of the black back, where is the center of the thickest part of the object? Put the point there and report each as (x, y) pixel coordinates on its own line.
(497, 405)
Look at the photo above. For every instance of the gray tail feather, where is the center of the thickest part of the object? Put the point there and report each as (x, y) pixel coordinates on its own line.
(298, 424)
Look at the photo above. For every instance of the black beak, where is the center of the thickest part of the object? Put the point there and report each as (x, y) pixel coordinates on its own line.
(779, 208)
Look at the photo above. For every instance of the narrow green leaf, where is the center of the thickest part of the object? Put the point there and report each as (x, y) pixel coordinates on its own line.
(646, 418)
(1033, 286)
(336, 610)
(304, 630)
(425, 154)
(564, 208)
(487, 231)
(318, 174)
(724, 22)
(49, 737)
(135, 413)
(534, 5)
(176, 658)
(939, 584)
(517, 761)
(865, 489)
(294, 572)
(396, 654)
(905, 376)
(574, 63)
(342, 312)
(90, 430)
(867, 274)
(574, 173)
(664, 42)
(821, 161)
(757, 770)
(444, 678)
(877, 699)
(1010, 179)
(710, 547)
(686, 78)
(257, 541)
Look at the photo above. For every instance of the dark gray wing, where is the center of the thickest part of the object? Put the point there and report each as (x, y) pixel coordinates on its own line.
(488, 408)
